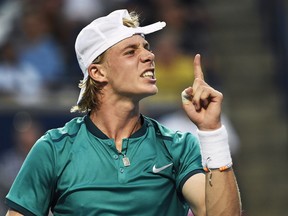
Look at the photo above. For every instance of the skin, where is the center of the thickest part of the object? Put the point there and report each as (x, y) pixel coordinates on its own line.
(122, 71)
(202, 105)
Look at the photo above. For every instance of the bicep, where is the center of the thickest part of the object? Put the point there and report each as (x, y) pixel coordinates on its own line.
(194, 193)
(13, 213)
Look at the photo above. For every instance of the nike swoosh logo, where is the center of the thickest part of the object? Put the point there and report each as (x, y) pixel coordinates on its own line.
(157, 170)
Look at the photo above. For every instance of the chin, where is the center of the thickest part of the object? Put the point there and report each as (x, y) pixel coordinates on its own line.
(149, 91)
(148, 94)
(154, 92)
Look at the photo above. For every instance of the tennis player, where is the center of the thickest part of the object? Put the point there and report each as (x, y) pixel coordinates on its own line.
(116, 161)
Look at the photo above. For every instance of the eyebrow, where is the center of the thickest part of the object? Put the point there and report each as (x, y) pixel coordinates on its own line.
(135, 46)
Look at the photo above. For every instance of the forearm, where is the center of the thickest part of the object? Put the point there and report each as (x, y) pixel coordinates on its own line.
(222, 194)
(13, 213)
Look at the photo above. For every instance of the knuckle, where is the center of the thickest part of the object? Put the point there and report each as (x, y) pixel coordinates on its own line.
(220, 95)
(199, 81)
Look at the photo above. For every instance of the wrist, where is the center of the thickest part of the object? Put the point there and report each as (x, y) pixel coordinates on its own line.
(215, 148)
(213, 127)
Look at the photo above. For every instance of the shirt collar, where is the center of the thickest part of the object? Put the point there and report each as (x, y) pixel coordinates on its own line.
(92, 128)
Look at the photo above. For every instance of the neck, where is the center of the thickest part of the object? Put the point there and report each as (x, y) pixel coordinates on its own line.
(117, 123)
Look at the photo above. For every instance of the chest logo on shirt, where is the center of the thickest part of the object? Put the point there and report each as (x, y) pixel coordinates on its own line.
(159, 169)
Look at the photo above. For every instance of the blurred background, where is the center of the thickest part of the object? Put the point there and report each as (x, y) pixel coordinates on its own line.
(244, 48)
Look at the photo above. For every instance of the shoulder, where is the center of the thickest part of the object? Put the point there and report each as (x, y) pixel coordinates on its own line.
(56, 144)
(169, 134)
(159, 128)
(69, 130)
(61, 138)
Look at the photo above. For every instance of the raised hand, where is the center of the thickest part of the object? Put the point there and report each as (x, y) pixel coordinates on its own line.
(201, 102)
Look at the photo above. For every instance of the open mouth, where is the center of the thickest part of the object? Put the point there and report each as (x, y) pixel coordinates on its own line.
(149, 74)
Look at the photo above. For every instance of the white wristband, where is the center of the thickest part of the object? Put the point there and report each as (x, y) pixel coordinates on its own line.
(215, 148)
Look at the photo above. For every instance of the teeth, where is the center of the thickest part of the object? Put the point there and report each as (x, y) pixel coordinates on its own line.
(148, 74)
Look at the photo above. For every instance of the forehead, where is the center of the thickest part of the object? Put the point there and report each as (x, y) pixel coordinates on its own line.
(135, 40)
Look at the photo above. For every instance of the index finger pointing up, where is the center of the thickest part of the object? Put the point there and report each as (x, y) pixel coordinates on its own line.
(197, 68)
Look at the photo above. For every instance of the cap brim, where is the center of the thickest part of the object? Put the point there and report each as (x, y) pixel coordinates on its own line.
(150, 28)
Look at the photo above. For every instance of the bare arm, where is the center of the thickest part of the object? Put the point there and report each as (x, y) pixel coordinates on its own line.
(222, 194)
(218, 195)
(194, 193)
(202, 105)
(13, 213)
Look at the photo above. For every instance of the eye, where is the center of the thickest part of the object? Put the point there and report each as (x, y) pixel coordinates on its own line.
(129, 52)
(147, 47)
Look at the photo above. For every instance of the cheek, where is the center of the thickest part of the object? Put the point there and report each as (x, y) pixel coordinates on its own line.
(116, 76)
(121, 70)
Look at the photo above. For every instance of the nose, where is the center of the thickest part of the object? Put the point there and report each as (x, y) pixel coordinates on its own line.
(147, 56)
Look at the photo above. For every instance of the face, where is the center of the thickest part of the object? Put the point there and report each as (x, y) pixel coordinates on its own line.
(129, 68)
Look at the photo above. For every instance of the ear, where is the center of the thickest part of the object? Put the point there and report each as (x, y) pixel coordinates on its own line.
(97, 73)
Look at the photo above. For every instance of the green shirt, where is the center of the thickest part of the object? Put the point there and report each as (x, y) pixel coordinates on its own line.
(76, 170)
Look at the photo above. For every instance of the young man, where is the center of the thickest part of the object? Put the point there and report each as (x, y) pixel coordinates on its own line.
(115, 161)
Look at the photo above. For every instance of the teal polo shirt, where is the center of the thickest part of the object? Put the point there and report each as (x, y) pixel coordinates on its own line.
(77, 170)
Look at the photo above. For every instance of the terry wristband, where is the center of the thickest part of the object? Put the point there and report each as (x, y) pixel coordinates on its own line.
(215, 149)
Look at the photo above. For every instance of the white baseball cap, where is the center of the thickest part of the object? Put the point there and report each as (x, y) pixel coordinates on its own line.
(101, 34)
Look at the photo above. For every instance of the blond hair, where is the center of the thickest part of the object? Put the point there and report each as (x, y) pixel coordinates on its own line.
(91, 96)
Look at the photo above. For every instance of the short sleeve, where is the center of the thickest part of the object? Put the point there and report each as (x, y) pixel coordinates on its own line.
(184, 149)
(187, 157)
(32, 190)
